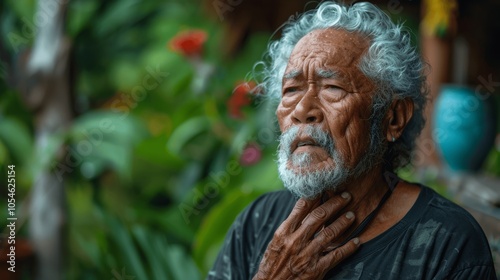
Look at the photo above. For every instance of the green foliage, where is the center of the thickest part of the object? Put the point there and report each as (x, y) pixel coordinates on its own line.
(23, 9)
(151, 161)
(106, 140)
(80, 13)
(112, 247)
(220, 218)
(16, 140)
(185, 133)
(492, 162)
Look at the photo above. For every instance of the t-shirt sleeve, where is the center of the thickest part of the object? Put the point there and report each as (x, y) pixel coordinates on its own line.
(247, 239)
(234, 259)
(466, 253)
(476, 272)
(230, 262)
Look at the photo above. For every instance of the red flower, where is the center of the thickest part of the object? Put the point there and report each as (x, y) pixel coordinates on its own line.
(251, 154)
(239, 99)
(189, 43)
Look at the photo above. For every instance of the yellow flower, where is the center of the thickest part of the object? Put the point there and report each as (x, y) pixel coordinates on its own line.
(439, 17)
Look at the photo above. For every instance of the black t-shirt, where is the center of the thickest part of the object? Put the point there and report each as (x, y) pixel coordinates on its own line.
(436, 239)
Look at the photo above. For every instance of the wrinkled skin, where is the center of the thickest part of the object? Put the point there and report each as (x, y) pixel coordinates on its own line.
(339, 104)
(295, 253)
(323, 86)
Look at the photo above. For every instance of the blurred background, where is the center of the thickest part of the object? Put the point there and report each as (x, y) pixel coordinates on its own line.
(137, 132)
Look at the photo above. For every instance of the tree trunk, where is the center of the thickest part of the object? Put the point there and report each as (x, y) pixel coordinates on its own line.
(48, 95)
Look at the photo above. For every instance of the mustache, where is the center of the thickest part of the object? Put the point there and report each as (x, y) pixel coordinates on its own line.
(314, 132)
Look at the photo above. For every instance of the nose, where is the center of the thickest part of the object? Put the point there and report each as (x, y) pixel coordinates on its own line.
(307, 110)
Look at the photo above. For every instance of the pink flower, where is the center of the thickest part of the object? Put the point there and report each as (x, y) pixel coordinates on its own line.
(189, 43)
(251, 154)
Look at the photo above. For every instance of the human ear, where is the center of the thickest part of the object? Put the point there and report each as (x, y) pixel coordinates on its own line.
(397, 117)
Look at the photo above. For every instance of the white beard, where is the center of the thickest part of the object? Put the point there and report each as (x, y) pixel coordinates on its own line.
(310, 184)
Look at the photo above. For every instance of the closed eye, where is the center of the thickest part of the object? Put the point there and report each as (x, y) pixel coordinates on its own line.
(290, 90)
(333, 87)
(333, 93)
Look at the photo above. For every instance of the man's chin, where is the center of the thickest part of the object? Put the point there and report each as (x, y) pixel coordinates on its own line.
(311, 167)
(314, 179)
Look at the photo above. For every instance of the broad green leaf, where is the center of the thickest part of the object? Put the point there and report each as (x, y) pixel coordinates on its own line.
(181, 230)
(216, 224)
(156, 264)
(181, 265)
(119, 15)
(89, 248)
(106, 126)
(187, 179)
(179, 83)
(125, 75)
(103, 140)
(262, 176)
(80, 13)
(4, 154)
(240, 139)
(24, 9)
(492, 163)
(105, 156)
(186, 132)
(122, 238)
(17, 139)
(154, 150)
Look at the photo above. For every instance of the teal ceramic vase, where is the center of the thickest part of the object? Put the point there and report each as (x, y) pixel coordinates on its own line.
(464, 127)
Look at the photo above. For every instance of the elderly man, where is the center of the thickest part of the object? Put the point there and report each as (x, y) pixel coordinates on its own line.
(352, 92)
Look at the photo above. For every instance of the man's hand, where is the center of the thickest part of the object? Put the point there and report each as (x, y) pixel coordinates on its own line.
(297, 252)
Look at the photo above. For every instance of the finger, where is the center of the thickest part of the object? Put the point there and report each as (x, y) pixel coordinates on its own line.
(333, 258)
(301, 209)
(319, 216)
(330, 233)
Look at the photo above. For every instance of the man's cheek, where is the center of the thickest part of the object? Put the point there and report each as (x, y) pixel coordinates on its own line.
(355, 142)
(284, 117)
(290, 102)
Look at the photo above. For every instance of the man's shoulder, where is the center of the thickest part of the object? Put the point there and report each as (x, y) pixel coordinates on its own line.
(447, 230)
(447, 212)
(449, 223)
(436, 238)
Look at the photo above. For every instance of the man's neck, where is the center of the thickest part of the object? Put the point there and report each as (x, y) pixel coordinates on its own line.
(366, 192)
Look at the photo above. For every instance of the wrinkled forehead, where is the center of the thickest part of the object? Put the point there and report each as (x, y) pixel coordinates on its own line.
(336, 43)
(331, 50)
